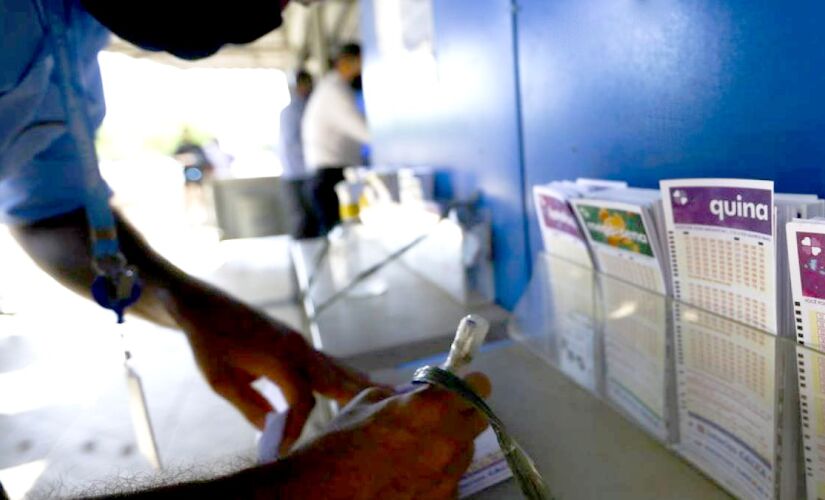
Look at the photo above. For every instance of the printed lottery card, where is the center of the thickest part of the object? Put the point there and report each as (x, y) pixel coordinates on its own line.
(488, 467)
(721, 236)
(575, 322)
(727, 400)
(811, 366)
(623, 242)
(806, 257)
(635, 347)
(559, 228)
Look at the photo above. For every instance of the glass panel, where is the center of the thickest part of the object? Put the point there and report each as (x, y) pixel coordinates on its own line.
(409, 308)
(720, 394)
(452, 255)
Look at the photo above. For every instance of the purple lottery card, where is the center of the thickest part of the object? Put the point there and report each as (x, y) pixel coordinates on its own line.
(556, 214)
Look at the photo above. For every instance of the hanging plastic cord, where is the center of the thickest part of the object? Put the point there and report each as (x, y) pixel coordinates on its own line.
(116, 285)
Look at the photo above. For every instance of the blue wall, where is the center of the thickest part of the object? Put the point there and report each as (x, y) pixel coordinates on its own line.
(460, 114)
(644, 90)
(637, 90)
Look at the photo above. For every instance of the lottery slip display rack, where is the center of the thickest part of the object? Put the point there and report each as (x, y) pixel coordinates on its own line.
(743, 406)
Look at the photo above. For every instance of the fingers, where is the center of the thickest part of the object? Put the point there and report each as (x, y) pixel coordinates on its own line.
(320, 372)
(447, 486)
(334, 380)
(237, 390)
(461, 462)
(437, 408)
(365, 402)
(372, 395)
(299, 410)
(296, 390)
(479, 383)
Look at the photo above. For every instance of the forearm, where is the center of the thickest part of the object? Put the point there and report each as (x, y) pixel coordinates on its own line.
(61, 246)
(285, 479)
(255, 483)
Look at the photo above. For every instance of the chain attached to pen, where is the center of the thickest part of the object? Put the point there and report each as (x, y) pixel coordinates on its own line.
(469, 337)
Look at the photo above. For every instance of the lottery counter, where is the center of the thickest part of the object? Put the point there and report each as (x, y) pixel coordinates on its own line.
(613, 389)
(624, 393)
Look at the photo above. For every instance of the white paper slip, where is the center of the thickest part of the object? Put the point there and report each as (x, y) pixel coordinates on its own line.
(623, 241)
(574, 318)
(488, 467)
(270, 440)
(142, 423)
(721, 237)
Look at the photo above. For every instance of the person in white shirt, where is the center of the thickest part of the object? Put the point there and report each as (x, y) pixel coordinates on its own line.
(333, 131)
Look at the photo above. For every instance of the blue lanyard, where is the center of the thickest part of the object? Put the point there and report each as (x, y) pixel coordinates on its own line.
(116, 286)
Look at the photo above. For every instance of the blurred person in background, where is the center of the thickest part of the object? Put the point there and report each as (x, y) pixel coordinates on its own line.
(382, 445)
(191, 155)
(197, 173)
(296, 180)
(334, 129)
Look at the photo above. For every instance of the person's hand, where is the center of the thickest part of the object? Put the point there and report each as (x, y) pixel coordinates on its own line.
(414, 445)
(234, 345)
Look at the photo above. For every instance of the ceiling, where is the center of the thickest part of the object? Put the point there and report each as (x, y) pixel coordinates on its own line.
(306, 37)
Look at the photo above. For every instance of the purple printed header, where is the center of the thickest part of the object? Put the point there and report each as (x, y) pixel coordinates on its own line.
(556, 214)
(736, 208)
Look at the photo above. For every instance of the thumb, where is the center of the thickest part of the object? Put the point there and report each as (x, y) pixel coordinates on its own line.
(299, 410)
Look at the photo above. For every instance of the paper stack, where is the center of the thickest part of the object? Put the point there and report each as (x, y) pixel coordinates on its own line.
(726, 254)
(560, 230)
(620, 227)
(806, 256)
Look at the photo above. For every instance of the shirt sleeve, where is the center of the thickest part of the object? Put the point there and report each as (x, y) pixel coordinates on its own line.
(41, 172)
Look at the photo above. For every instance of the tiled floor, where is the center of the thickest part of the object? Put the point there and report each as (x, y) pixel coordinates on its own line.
(64, 418)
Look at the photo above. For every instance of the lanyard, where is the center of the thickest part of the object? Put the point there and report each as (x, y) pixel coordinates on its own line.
(116, 286)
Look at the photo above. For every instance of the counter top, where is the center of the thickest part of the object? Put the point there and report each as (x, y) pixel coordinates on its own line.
(583, 448)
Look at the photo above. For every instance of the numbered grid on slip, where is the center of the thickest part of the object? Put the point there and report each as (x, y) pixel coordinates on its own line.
(726, 261)
(633, 272)
(733, 305)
